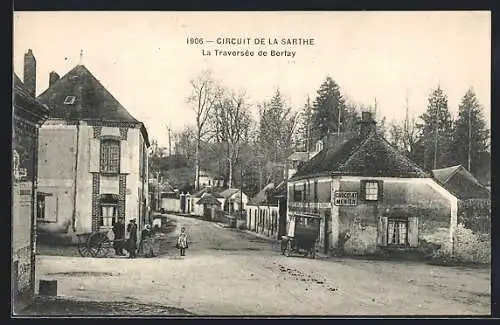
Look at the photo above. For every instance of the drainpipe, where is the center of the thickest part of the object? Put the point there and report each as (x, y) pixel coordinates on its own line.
(73, 218)
(34, 205)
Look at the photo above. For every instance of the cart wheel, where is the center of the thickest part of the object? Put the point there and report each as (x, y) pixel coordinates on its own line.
(83, 248)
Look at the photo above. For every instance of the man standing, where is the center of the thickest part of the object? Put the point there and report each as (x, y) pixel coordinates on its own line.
(119, 241)
(132, 240)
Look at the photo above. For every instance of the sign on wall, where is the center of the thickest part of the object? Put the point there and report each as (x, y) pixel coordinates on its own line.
(345, 198)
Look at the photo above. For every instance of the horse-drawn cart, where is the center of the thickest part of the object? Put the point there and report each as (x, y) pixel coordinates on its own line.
(95, 244)
(303, 234)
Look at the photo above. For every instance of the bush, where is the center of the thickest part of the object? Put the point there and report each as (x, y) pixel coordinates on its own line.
(470, 247)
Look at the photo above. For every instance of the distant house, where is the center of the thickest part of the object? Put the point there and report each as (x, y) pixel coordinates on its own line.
(93, 158)
(210, 205)
(199, 207)
(458, 181)
(28, 114)
(296, 159)
(370, 197)
(262, 212)
(206, 178)
(233, 200)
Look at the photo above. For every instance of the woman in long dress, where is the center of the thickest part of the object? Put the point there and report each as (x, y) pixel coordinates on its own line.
(146, 244)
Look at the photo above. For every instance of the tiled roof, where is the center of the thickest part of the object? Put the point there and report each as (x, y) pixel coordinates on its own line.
(300, 156)
(263, 195)
(25, 101)
(371, 156)
(207, 190)
(208, 199)
(228, 192)
(92, 100)
(458, 181)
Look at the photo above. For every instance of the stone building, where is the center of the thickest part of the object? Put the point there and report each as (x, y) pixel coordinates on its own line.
(92, 158)
(28, 114)
(370, 197)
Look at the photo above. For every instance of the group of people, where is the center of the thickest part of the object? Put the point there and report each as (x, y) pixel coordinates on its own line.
(147, 243)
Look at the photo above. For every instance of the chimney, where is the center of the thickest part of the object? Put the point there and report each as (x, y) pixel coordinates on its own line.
(30, 72)
(367, 124)
(53, 77)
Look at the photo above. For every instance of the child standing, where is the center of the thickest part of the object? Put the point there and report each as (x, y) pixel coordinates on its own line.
(182, 242)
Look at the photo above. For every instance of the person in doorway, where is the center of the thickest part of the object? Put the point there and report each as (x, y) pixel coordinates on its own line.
(119, 240)
(182, 241)
(146, 245)
(132, 239)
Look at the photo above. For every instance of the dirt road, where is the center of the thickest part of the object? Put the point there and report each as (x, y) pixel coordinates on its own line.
(227, 272)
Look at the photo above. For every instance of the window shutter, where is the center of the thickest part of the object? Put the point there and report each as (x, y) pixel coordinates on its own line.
(362, 190)
(380, 191)
(94, 155)
(382, 231)
(124, 158)
(413, 231)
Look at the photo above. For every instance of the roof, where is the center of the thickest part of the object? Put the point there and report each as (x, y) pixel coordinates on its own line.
(352, 155)
(458, 181)
(207, 190)
(27, 105)
(229, 192)
(92, 100)
(263, 196)
(444, 174)
(208, 199)
(280, 190)
(300, 156)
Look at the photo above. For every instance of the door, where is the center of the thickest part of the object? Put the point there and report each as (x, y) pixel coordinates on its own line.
(282, 218)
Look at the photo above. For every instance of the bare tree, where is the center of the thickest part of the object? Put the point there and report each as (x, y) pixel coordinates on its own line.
(231, 120)
(204, 95)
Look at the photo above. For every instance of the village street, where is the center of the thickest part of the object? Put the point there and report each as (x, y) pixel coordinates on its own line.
(230, 272)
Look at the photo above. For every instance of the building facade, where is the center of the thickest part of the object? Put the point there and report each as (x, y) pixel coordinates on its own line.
(92, 158)
(370, 197)
(28, 114)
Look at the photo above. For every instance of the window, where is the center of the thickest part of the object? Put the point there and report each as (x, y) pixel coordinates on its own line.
(110, 156)
(108, 210)
(371, 191)
(69, 100)
(297, 196)
(108, 215)
(397, 231)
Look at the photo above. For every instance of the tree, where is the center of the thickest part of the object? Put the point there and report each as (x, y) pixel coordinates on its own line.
(470, 136)
(277, 125)
(437, 131)
(304, 126)
(204, 94)
(405, 134)
(185, 142)
(231, 120)
(329, 110)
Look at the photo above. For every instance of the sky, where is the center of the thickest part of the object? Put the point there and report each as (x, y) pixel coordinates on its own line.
(145, 61)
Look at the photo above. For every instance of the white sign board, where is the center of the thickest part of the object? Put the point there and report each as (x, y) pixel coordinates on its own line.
(345, 198)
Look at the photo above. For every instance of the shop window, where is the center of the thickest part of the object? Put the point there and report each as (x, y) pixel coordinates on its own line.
(40, 212)
(110, 156)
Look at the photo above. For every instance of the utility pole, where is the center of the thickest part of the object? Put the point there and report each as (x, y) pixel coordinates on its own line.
(470, 140)
(436, 135)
